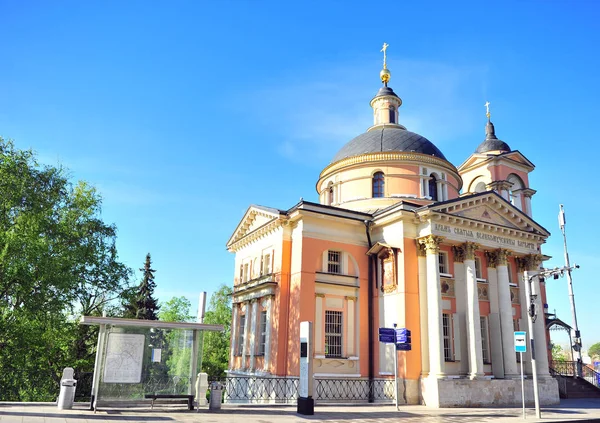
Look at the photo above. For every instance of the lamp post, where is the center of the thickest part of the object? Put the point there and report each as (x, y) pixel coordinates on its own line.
(532, 314)
(577, 341)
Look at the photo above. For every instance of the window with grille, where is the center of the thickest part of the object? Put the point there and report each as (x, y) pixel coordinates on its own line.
(334, 262)
(485, 343)
(241, 335)
(447, 332)
(333, 333)
(378, 184)
(263, 333)
(443, 262)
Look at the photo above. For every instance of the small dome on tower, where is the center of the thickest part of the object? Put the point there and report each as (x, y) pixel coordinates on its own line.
(491, 142)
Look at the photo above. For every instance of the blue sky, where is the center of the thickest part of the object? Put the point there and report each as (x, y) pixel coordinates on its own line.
(183, 114)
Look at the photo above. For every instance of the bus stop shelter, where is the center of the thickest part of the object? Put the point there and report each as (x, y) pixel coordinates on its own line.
(141, 359)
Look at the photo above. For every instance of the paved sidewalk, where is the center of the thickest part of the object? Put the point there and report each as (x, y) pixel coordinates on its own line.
(567, 411)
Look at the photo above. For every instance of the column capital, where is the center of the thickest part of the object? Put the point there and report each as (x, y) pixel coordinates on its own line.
(492, 259)
(432, 243)
(319, 295)
(529, 262)
(459, 253)
(350, 298)
(502, 256)
(470, 248)
(421, 250)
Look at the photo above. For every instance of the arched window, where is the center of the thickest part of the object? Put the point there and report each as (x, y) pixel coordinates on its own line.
(330, 194)
(378, 184)
(392, 114)
(433, 193)
(515, 186)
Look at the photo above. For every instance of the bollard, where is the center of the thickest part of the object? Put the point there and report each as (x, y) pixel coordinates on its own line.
(201, 388)
(216, 394)
(67, 394)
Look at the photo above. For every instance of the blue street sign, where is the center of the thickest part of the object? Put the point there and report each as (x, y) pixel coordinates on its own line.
(520, 342)
(387, 335)
(402, 339)
(403, 336)
(403, 347)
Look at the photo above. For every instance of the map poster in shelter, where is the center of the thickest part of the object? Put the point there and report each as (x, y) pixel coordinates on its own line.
(124, 358)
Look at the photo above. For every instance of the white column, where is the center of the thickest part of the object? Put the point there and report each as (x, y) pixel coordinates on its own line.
(434, 308)
(495, 330)
(319, 325)
(460, 341)
(423, 325)
(253, 334)
(506, 316)
(528, 205)
(539, 327)
(246, 334)
(268, 333)
(473, 316)
(351, 333)
(235, 327)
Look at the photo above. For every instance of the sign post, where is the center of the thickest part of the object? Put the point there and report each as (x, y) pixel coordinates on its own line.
(521, 347)
(395, 370)
(401, 339)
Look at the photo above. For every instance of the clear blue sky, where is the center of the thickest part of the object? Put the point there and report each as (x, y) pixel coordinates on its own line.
(182, 114)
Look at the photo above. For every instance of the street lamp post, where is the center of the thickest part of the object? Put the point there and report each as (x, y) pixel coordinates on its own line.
(532, 314)
(577, 341)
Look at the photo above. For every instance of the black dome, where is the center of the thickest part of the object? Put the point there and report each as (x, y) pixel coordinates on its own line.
(491, 142)
(394, 139)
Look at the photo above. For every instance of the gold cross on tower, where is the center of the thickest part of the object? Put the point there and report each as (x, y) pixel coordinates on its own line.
(385, 46)
(487, 109)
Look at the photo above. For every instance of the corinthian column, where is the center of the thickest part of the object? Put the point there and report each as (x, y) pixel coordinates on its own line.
(473, 316)
(423, 324)
(434, 306)
(506, 315)
(533, 262)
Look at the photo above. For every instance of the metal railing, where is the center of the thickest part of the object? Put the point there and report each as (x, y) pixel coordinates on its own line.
(569, 368)
(272, 389)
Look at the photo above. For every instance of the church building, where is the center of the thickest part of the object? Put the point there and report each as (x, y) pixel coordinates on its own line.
(399, 236)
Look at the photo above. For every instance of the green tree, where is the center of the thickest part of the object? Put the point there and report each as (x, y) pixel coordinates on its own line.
(58, 260)
(594, 350)
(141, 304)
(179, 350)
(216, 344)
(558, 354)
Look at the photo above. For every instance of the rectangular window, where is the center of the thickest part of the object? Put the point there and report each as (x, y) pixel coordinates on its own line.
(266, 262)
(485, 344)
(333, 333)
(263, 333)
(241, 273)
(478, 273)
(510, 274)
(447, 332)
(334, 263)
(241, 335)
(246, 272)
(443, 262)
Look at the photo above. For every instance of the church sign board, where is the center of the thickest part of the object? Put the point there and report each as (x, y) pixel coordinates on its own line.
(455, 232)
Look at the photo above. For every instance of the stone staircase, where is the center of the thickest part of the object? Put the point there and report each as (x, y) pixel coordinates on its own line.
(579, 388)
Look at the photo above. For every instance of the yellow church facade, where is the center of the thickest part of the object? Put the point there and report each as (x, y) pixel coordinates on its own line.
(399, 236)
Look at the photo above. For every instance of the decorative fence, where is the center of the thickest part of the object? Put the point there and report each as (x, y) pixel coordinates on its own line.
(257, 390)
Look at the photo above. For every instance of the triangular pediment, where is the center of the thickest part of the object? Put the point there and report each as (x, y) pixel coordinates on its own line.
(511, 158)
(256, 217)
(489, 208)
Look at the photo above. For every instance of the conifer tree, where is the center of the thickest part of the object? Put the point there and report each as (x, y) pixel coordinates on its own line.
(141, 303)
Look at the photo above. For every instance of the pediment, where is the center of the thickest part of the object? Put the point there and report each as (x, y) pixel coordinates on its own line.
(256, 217)
(489, 208)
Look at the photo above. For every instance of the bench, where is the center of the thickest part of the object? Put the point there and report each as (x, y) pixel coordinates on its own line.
(177, 398)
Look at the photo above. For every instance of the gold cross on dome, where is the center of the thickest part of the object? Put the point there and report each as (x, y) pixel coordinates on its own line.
(385, 46)
(487, 109)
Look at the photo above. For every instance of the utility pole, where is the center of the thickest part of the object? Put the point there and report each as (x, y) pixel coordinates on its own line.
(577, 341)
